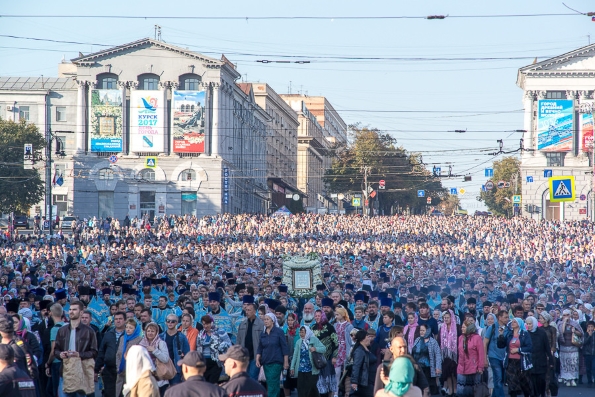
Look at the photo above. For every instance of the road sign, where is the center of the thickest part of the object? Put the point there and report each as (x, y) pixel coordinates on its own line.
(547, 173)
(381, 184)
(506, 184)
(489, 185)
(516, 199)
(151, 162)
(438, 170)
(462, 191)
(583, 197)
(582, 211)
(373, 194)
(489, 172)
(46, 224)
(529, 179)
(421, 193)
(113, 159)
(561, 188)
(356, 202)
(501, 184)
(429, 200)
(516, 204)
(454, 191)
(366, 202)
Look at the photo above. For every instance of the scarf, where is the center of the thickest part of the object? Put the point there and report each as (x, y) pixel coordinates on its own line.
(139, 362)
(291, 332)
(154, 343)
(470, 330)
(448, 338)
(520, 322)
(323, 320)
(411, 336)
(274, 318)
(400, 376)
(533, 321)
(128, 338)
(21, 327)
(306, 339)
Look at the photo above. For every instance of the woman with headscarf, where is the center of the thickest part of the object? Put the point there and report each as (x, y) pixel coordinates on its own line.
(188, 330)
(140, 381)
(302, 365)
(471, 360)
(569, 329)
(449, 350)
(211, 343)
(551, 332)
(157, 349)
(517, 362)
(132, 336)
(399, 382)
(542, 358)
(426, 353)
(325, 332)
(272, 354)
(30, 340)
(411, 330)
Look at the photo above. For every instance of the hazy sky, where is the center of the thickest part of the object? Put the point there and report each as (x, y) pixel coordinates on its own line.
(417, 79)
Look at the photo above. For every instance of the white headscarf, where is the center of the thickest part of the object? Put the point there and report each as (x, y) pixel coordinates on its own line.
(274, 318)
(309, 334)
(138, 361)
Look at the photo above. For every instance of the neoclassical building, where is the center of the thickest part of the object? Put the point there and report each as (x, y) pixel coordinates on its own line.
(558, 102)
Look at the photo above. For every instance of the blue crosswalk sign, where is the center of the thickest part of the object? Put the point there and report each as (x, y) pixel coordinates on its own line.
(421, 193)
(454, 191)
(561, 188)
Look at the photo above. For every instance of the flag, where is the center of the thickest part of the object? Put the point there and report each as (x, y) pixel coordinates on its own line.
(60, 180)
(54, 180)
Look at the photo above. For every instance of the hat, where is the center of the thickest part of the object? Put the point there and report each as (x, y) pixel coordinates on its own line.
(147, 282)
(366, 287)
(282, 288)
(39, 291)
(326, 275)
(236, 352)
(327, 302)
(272, 303)
(118, 283)
(231, 281)
(487, 303)
(106, 291)
(472, 301)
(382, 295)
(193, 359)
(281, 309)
(239, 287)
(6, 353)
(320, 287)
(126, 289)
(248, 299)
(374, 294)
(359, 296)
(386, 302)
(220, 284)
(214, 296)
(45, 304)
(169, 283)
(84, 290)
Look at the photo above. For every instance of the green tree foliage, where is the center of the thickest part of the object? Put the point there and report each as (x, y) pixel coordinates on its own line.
(19, 188)
(499, 201)
(403, 172)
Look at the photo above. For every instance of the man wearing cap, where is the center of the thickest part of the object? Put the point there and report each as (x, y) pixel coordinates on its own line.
(240, 384)
(193, 368)
(249, 331)
(327, 307)
(291, 303)
(14, 382)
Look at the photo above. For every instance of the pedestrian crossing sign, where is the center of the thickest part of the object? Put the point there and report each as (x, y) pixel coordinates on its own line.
(151, 162)
(562, 189)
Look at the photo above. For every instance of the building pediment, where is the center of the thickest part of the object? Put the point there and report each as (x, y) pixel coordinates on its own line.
(97, 57)
(576, 63)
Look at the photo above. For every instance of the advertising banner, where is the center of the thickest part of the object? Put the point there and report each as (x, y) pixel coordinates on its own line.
(188, 121)
(146, 121)
(555, 125)
(105, 129)
(586, 126)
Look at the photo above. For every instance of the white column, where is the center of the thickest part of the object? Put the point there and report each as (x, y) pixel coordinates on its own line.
(124, 119)
(163, 87)
(215, 121)
(80, 117)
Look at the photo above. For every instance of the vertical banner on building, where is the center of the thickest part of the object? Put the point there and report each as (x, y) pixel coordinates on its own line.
(555, 125)
(225, 185)
(146, 121)
(586, 126)
(105, 130)
(188, 121)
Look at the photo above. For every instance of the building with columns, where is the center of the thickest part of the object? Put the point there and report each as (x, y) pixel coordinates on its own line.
(148, 129)
(558, 102)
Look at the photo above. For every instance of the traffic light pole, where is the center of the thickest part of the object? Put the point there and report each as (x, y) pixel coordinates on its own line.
(48, 178)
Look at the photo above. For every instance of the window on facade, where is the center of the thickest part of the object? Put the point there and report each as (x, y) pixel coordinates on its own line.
(555, 95)
(147, 174)
(188, 203)
(60, 113)
(106, 204)
(107, 81)
(61, 203)
(187, 175)
(555, 159)
(190, 82)
(147, 204)
(106, 173)
(148, 82)
(24, 113)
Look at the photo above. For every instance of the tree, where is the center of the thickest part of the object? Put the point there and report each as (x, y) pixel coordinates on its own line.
(450, 204)
(404, 173)
(19, 188)
(499, 201)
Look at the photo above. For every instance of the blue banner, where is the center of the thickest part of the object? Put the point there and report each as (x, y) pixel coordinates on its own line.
(555, 125)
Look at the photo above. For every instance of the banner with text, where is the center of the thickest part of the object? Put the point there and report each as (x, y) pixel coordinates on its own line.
(146, 121)
(586, 126)
(188, 121)
(105, 126)
(555, 125)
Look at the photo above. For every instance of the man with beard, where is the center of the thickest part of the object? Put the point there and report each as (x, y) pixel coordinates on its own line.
(327, 308)
(373, 318)
(117, 292)
(220, 316)
(280, 312)
(308, 315)
(84, 293)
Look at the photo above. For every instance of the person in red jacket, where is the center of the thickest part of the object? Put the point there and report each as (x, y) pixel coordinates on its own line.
(471, 360)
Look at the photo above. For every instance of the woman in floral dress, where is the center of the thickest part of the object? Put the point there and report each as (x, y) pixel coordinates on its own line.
(343, 328)
(325, 332)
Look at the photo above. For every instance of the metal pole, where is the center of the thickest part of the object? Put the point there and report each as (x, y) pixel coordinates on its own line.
(48, 177)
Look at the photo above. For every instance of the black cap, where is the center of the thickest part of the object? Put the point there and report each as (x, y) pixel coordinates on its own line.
(236, 352)
(193, 359)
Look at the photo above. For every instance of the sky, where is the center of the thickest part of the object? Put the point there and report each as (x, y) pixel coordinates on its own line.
(414, 78)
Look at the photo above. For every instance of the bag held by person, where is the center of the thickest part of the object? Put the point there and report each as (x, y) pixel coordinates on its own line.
(577, 340)
(319, 360)
(165, 371)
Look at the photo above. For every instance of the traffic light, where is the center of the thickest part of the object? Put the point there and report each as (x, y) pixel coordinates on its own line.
(467, 179)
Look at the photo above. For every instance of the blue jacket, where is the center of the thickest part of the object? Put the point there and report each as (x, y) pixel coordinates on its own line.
(525, 351)
(180, 345)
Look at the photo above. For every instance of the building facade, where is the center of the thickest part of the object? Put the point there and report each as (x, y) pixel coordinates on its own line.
(558, 138)
(148, 129)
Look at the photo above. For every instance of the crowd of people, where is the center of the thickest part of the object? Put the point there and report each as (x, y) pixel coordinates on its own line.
(407, 306)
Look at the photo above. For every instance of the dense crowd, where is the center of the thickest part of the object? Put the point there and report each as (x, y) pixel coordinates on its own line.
(187, 306)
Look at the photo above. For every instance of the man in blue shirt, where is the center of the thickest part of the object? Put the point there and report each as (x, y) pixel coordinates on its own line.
(495, 354)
